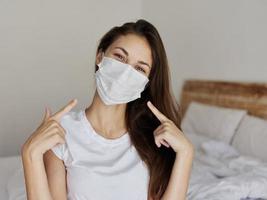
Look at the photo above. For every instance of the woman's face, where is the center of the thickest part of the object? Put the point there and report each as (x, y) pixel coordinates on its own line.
(131, 49)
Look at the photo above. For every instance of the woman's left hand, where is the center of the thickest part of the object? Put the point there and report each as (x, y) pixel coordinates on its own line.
(168, 133)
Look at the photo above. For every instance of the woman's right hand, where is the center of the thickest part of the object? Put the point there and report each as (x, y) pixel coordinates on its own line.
(47, 135)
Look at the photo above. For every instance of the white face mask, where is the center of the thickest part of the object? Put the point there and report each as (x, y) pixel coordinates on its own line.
(117, 82)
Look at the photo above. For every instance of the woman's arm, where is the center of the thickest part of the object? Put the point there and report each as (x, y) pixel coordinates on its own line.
(56, 175)
(47, 135)
(169, 135)
(35, 177)
(45, 179)
(179, 180)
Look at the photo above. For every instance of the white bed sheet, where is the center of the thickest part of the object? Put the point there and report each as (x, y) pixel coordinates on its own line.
(8, 165)
(220, 172)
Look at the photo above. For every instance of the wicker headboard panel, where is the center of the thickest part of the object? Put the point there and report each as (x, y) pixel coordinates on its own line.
(249, 96)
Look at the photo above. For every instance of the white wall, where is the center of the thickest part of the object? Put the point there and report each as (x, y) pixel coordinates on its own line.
(47, 51)
(212, 39)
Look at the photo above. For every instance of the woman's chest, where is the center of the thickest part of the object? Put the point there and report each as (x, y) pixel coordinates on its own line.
(106, 173)
(105, 182)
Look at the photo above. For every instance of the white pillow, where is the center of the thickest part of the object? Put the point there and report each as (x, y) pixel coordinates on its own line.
(16, 186)
(197, 139)
(212, 121)
(7, 167)
(251, 137)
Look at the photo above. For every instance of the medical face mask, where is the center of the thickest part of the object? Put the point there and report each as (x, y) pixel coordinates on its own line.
(117, 82)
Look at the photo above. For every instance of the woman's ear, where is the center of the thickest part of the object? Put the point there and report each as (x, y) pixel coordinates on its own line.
(99, 57)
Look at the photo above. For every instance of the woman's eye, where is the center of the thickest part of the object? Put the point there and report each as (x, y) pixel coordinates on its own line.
(140, 68)
(119, 56)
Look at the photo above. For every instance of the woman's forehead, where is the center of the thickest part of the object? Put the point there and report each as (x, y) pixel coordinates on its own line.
(137, 47)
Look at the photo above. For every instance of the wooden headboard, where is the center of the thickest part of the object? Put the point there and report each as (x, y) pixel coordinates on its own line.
(240, 95)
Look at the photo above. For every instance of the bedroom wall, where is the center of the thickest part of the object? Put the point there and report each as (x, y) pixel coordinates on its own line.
(47, 51)
(212, 39)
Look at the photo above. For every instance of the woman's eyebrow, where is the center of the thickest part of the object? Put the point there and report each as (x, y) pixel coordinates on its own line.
(124, 51)
(144, 63)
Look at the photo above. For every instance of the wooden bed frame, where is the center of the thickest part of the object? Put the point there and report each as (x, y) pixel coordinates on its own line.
(240, 95)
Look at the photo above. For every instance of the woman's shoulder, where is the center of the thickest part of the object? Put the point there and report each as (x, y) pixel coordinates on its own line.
(70, 118)
(69, 122)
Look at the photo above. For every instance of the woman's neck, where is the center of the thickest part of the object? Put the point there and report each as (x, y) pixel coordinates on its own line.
(107, 120)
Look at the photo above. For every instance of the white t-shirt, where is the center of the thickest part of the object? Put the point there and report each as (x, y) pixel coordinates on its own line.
(99, 168)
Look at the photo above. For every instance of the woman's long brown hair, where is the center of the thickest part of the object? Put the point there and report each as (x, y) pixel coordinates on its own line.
(140, 121)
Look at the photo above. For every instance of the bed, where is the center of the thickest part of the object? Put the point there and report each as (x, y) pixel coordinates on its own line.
(222, 169)
(226, 122)
(11, 178)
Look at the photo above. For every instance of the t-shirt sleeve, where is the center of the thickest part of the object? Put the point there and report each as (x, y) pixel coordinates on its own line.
(59, 150)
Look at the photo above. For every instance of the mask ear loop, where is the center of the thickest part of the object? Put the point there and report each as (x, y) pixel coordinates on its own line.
(102, 56)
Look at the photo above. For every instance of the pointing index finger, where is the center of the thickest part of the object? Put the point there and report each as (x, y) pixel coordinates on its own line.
(65, 109)
(156, 112)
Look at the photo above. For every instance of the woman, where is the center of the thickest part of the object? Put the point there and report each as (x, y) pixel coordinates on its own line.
(136, 149)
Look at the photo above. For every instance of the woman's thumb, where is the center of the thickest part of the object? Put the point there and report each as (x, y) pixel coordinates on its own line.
(47, 114)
